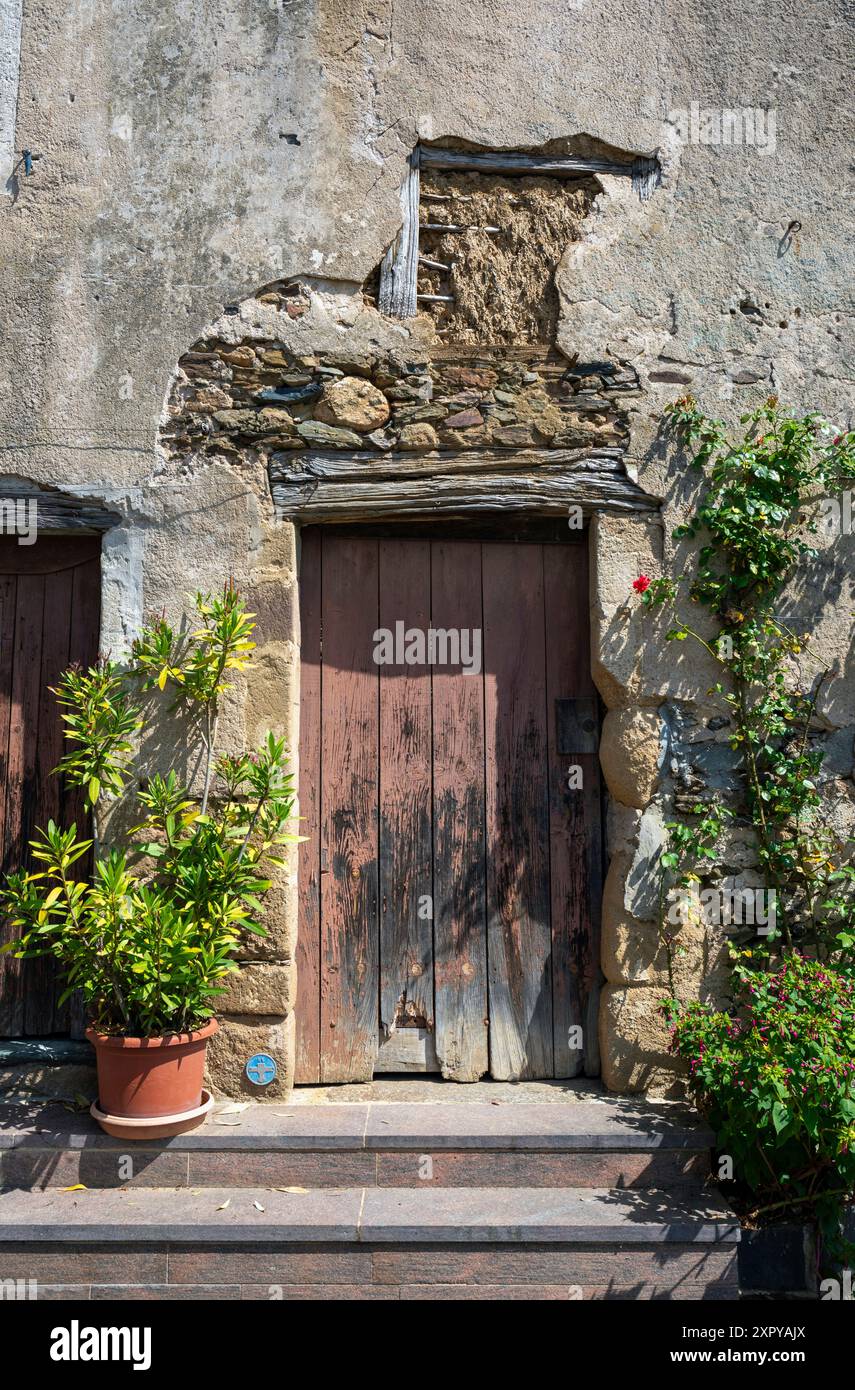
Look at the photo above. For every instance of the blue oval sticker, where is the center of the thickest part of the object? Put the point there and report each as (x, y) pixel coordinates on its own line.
(261, 1069)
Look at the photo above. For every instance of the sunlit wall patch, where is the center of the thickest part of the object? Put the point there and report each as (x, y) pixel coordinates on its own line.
(10, 65)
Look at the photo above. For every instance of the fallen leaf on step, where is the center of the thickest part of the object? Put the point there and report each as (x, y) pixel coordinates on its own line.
(76, 1106)
(290, 1189)
(235, 1112)
(77, 1187)
(258, 1206)
(224, 1204)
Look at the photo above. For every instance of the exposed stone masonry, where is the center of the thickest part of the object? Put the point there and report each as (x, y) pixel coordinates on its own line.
(257, 396)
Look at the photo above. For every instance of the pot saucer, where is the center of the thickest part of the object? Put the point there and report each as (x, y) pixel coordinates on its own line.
(153, 1126)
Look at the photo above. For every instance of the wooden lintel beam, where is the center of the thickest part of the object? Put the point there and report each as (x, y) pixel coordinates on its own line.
(57, 513)
(643, 170)
(289, 467)
(447, 228)
(549, 492)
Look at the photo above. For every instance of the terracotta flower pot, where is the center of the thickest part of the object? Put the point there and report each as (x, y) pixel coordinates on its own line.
(150, 1078)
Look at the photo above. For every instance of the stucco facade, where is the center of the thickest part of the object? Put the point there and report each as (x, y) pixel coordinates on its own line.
(185, 158)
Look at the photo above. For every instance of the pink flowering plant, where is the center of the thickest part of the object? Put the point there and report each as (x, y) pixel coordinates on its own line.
(774, 1074)
(776, 1081)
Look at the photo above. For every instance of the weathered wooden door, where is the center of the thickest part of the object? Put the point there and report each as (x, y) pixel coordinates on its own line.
(49, 616)
(449, 787)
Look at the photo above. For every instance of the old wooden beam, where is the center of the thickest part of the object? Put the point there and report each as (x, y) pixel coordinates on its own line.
(399, 268)
(548, 492)
(398, 271)
(643, 170)
(56, 512)
(289, 468)
(646, 175)
(455, 227)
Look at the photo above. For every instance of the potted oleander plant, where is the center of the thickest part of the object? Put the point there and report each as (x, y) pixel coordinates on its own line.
(148, 928)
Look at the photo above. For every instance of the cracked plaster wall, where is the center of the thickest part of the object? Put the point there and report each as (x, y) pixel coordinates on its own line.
(192, 153)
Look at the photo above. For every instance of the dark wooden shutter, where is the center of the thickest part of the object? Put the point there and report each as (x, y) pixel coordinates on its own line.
(50, 605)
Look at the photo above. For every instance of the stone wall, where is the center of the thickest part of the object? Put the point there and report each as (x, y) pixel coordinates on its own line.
(664, 752)
(258, 396)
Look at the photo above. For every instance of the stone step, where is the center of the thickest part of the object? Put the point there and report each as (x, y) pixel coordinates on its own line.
(47, 1052)
(598, 1144)
(59, 1068)
(368, 1243)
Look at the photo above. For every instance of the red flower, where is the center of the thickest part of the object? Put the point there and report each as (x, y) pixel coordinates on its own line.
(641, 583)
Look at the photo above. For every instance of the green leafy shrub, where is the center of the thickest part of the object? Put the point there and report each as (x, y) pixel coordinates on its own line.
(774, 1077)
(151, 935)
(776, 1081)
(755, 518)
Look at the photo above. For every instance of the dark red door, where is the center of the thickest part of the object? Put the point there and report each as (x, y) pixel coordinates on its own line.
(450, 794)
(49, 616)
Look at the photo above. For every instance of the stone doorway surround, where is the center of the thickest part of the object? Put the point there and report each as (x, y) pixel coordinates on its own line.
(558, 450)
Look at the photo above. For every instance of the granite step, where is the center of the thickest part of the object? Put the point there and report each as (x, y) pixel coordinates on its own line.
(604, 1144)
(368, 1243)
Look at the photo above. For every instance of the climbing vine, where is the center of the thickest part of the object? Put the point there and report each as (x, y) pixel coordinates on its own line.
(755, 519)
(775, 1073)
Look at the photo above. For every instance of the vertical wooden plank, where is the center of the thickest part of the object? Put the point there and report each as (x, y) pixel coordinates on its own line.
(519, 944)
(308, 1009)
(83, 647)
(49, 615)
(8, 608)
(460, 925)
(406, 869)
(574, 825)
(8, 605)
(21, 769)
(86, 611)
(40, 1016)
(400, 266)
(349, 760)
